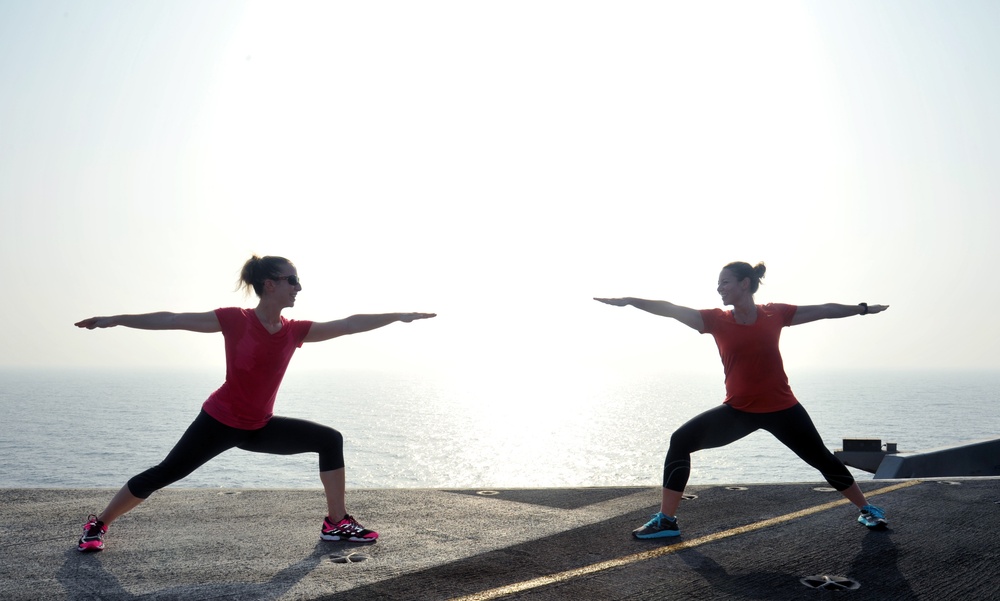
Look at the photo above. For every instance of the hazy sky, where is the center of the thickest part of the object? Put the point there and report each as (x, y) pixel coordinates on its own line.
(501, 163)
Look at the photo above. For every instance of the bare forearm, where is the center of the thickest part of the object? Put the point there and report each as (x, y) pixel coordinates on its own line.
(161, 320)
(836, 310)
(685, 315)
(358, 323)
(807, 313)
(656, 307)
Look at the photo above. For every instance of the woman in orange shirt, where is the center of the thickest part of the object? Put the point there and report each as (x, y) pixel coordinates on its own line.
(259, 344)
(757, 392)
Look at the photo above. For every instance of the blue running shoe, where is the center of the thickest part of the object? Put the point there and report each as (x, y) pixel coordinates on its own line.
(873, 517)
(661, 526)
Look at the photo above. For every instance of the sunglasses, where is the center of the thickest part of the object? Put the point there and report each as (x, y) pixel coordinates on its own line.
(293, 280)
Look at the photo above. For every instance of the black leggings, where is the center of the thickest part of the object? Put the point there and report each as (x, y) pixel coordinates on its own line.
(207, 437)
(723, 425)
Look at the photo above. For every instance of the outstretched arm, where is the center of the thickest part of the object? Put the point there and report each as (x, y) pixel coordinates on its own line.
(807, 313)
(195, 322)
(354, 324)
(687, 316)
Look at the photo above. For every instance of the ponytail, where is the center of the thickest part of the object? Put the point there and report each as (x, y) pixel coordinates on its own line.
(744, 270)
(256, 270)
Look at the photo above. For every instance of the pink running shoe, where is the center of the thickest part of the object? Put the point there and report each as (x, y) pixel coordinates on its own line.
(347, 529)
(93, 535)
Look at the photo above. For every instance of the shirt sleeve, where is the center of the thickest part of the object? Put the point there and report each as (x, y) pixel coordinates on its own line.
(300, 329)
(710, 317)
(786, 312)
(226, 315)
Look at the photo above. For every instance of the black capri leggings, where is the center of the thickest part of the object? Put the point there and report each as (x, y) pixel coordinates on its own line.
(207, 437)
(723, 425)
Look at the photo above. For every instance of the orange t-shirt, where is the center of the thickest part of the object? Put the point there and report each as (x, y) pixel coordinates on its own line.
(755, 375)
(256, 361)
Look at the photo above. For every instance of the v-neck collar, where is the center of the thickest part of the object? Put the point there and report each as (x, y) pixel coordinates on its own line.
(756, 317)
(260, 322)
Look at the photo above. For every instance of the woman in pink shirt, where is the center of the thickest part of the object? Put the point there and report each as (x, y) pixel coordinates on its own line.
(757, 392)
(259, 344)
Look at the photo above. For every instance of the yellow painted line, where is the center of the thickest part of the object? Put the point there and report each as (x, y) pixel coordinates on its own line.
(520, 587)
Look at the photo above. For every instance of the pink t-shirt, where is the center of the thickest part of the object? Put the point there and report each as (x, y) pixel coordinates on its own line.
(755, 374)
(255, 364)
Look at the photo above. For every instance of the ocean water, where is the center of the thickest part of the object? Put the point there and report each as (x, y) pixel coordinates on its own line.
(98, 428)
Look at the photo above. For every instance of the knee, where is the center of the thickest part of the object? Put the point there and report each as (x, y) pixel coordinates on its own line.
(332, 439)
(145, 484)
(840, 482)
(680, 443)
(676, 438)
(137, 488)
(331, 450)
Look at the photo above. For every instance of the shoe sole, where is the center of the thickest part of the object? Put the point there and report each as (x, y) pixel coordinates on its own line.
(90, 549)
(348, 539)
(668, 534)
(877, 525)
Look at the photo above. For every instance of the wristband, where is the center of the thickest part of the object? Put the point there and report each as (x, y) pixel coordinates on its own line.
(864, 308)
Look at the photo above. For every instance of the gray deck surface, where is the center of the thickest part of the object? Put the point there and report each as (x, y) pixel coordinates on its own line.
(742, 542)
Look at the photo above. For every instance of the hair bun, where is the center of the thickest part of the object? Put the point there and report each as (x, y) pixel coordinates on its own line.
(257, 269)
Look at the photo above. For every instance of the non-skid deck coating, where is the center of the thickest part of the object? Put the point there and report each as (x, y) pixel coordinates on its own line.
(738, 542)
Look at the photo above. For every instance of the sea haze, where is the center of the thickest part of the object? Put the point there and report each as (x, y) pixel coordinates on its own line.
(96, 429)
